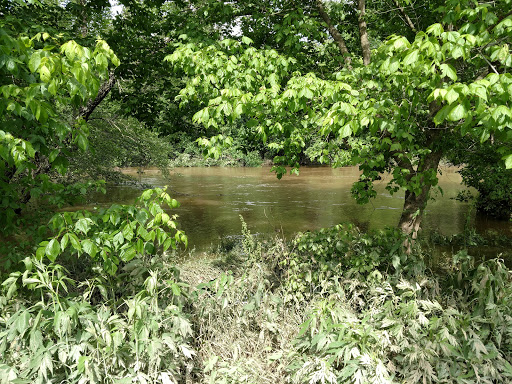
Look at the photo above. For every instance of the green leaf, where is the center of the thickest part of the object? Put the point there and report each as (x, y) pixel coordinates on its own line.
(447, 70)
(82, 362)
(441, 116)
(35, 61)
(118, 239)
(41, 251)
(411, 58)
(82, 141)
(75, 242)
(83, 226)
(435, 29)
(89, 247)
(247, 40)
(457, 52)
(345, 131)
(452, 96)
(64, 241)
(129, 254)
(53, 155)
(115, 60)
(478, 90)
(458, 113)
(508, 161)
(45, 74)
(52, 249)
(10, 64)
(142, 215)
(168, 243)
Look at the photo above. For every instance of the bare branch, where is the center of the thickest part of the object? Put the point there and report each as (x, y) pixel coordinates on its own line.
(408, 20)
(85, 112)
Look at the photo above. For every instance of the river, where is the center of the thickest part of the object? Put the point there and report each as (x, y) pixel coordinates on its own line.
(213, 198)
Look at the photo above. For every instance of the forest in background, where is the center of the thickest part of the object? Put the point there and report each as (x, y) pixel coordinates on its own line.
(393, 86)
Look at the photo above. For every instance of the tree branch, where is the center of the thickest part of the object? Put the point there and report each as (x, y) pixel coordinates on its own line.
(85, 112)
(334, 33)
(408, 20)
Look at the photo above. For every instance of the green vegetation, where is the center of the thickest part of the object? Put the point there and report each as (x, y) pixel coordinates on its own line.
(418, 97)
(102, 296)
(331, 306)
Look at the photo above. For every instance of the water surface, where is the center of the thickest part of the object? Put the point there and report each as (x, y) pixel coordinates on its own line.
(213, 198)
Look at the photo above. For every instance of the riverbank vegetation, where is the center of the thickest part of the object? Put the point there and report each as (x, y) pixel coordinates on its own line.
(107, 295)
(331, 306)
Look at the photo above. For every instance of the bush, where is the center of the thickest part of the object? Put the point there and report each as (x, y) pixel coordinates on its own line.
(318, 258)
(94, 306)
(187, 153)
(331, 306)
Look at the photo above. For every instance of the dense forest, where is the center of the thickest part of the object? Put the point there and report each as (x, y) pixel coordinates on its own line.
(393, 87)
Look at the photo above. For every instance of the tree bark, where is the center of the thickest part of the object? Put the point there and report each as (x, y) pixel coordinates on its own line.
(85, 112)
(334, 33)
(363, 32)
(414, 205)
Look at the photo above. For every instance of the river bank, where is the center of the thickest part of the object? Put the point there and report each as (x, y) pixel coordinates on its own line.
(107, 299)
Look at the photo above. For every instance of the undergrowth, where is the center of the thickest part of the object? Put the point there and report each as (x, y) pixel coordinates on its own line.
(104, 301)
(190, 155)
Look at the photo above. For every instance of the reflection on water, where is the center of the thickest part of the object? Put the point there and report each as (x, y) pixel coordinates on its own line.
(213, 198)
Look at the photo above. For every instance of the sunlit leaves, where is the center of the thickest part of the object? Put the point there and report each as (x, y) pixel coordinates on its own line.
(435, 29)
(413, 84)
(126, 231)
(52, 249)
(411, 57)
(508, 161)
(447, 70)
(40, 82)
(459, 112)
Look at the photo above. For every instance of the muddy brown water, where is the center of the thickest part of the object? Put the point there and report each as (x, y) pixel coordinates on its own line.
(213, 198)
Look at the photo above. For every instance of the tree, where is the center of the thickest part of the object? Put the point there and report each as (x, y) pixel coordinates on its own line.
(394, 115)
(42, 80)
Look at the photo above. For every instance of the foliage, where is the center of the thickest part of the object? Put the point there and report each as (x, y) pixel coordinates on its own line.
(318, 258)
(80, 321)
(403, 331)
(38, 75)
(387, 325)
(100, 300)
(483, 171)
(116, 141)
(186, 153)
(113, 314)
(404, 107)
(117, 234)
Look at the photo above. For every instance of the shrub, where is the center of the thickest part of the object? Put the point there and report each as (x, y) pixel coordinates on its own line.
(94, 305)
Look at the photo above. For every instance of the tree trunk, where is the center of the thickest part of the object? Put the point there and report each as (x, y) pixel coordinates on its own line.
(414, 205)
(363, 32)
(334, 33)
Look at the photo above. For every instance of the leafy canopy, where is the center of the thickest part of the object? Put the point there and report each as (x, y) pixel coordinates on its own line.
(42, 80)
(414, 98)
